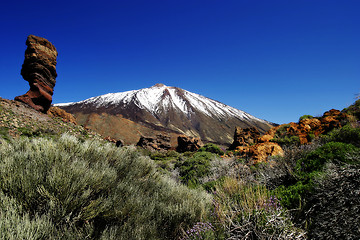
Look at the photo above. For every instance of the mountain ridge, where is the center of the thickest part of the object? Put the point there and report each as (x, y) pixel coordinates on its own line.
(170, 109)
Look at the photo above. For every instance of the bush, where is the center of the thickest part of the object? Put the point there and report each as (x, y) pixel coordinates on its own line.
(251, 212)
(287, 140)
(66, 189)
(163, 156)
(332, 151)
(305, 117)
(4, 133)
(346, 134)
(283, 138)
(310, 167)
(354, 110)
(333, 212)
(194, 168)
(210, 147)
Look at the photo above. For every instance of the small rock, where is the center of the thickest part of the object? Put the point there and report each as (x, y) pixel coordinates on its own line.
(158, 143)
(188, 144)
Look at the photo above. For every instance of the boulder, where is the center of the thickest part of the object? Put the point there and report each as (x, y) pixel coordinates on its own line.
(188, 144)
(332, 119)
(245, 137)
(159, 143)
(259, 152)
(118, 143)
(58, 112)
(39, 69)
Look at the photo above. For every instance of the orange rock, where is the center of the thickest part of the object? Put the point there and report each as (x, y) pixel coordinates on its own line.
(58, 112)
(260, 152)
(245, 137)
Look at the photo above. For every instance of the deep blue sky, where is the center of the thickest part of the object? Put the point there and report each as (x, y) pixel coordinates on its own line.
(275, 59)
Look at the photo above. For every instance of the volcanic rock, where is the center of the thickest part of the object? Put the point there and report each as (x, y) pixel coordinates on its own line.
(58, 112)
(188, 144)
(259, 152)
(244, 137)
(119, 143)
(158, 143)
(39, 69)
(306, 129)
(332, 119)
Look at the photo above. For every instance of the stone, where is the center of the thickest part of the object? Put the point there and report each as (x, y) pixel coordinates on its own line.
(245, 137)
(332, 119)
(160, 142)
(65, 116)
(119, 143)
(39, 69)
(188, 144)
(259, 152)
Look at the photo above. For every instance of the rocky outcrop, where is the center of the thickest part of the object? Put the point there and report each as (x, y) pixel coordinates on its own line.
(159, 143)
(332, 119)
(188, 144)
(244, 137)
(248, 144)
(58, 112)
(39, 69)
(259, 152)
(301, 133)
(306, 129)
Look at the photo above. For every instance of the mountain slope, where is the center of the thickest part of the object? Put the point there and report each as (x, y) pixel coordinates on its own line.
(168, 109)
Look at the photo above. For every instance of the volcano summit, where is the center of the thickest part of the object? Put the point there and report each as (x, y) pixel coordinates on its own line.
(162, 109)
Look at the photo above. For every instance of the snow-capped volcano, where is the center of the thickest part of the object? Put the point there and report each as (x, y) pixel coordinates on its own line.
(171, 109)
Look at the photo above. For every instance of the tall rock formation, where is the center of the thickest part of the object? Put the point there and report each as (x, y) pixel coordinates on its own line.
(245, 137)
(39, 69)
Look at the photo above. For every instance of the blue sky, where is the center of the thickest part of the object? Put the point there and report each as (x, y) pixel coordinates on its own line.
(275, 59)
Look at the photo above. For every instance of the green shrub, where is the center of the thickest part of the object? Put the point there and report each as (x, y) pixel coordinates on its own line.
(91, 190)
(166, 155)
(282, 130)
(346, 134)
(292, 197)
(251, 212)
(15, 223)
(354, 109)
(305, 117)
(309, 168)
(332, 151)
(287, 140)
(210, 147)
(283, 138)
(4, 133)
(194, 168)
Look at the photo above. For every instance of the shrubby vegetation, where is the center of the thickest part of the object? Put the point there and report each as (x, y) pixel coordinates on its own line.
(305, 117)
(66, 189)
(210, 147)
(282, 136)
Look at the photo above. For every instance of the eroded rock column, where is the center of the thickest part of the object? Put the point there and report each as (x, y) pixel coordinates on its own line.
(39, 69)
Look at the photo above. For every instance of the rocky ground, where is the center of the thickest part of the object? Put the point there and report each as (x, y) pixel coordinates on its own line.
(17, 119)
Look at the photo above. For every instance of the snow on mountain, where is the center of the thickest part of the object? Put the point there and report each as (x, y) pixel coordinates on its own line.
(165, 109)
(160, 97)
